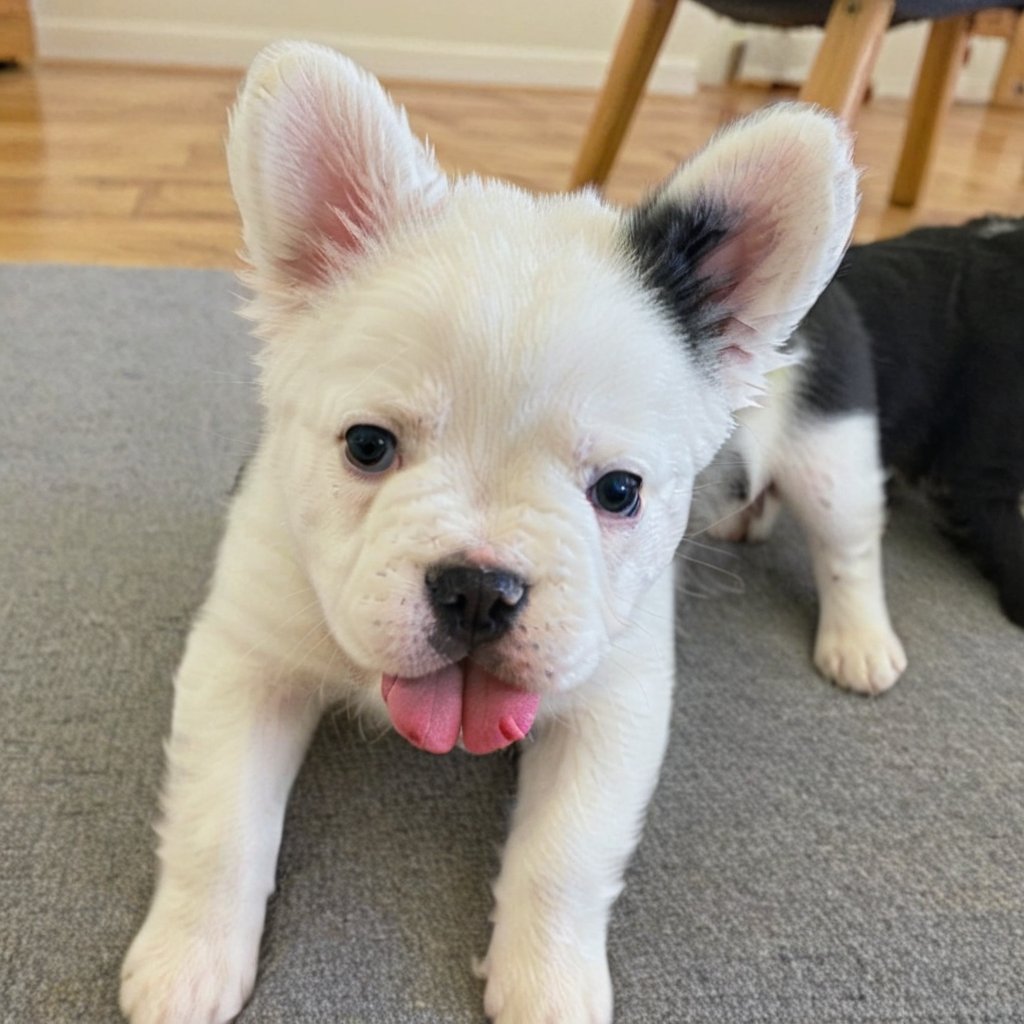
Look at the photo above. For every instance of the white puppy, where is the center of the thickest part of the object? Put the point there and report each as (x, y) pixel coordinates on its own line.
(484, 414)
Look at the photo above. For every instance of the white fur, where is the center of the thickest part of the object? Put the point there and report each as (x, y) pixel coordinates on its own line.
(507, 342)
(828, 471)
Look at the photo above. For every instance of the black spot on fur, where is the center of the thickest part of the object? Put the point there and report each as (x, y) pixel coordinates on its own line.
(838, 375)
(668, 245)
(738, 487)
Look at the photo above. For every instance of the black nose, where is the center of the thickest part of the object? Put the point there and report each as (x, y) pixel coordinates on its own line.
(474, 605)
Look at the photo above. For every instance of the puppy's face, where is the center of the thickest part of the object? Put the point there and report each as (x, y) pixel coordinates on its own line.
(487, 409)
(493, 394)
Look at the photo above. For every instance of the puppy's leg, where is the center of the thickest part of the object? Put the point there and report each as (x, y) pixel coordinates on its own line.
(990, 524)
(979, 467)
(236, 743)
(584, 787)
(736, 498)
(833, 481)
(751, 522)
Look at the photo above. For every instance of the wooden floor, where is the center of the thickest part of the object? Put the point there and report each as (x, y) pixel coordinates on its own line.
(116, 165)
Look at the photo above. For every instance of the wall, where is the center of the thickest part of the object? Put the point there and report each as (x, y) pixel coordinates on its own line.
(542, 42)
(535, 42)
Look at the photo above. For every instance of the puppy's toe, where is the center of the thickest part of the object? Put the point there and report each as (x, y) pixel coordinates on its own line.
(172, 977)
(528, 985)
(866, 659)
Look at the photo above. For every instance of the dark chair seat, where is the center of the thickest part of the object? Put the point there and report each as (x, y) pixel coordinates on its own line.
(797, 13)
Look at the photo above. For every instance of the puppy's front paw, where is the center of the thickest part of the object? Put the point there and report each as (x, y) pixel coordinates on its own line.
(864, 657)
(531, 982)
(171, 976)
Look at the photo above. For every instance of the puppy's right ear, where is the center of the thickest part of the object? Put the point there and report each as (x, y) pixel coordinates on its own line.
(323, 165)
(742, 239)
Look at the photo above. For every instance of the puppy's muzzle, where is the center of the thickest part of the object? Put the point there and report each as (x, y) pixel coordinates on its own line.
(474, 606)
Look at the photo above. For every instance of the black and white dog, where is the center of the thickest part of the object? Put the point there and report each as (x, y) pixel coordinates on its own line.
(911, 360)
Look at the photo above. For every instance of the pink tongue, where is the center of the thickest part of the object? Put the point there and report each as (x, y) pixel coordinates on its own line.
(430, 710)
(494, 714)
(427, 711)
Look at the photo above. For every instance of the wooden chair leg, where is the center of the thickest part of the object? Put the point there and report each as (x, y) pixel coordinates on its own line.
(943, 58)
(842, 67)
(17, 33)
(638, 46)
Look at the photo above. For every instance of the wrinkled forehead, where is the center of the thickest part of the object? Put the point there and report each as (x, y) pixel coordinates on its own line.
(508, 313)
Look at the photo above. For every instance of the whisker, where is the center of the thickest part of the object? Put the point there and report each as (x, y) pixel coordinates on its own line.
(741, 585)
(717, 548)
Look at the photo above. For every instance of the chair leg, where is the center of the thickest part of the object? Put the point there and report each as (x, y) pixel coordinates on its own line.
(638, 46)
(943, 58)
(839, 76)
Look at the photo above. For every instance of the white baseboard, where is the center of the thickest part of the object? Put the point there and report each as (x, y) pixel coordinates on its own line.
(174, 43)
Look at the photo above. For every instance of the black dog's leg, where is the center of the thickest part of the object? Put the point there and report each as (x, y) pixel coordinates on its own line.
(992, 527)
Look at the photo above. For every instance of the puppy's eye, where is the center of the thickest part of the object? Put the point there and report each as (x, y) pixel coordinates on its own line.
(617, 492)
(371, 449)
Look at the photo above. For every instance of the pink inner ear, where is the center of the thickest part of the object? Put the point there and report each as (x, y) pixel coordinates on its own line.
(734, 353)
(335, 203)
(340, 221)
(736, 265)
(338, 214)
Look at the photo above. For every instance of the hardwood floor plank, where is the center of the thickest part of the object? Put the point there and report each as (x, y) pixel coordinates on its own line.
(29, 198)
(125, 165)
(111, 241)
(211, 200)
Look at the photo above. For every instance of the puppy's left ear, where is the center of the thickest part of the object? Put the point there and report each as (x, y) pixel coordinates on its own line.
(324, 168)
(740, 241)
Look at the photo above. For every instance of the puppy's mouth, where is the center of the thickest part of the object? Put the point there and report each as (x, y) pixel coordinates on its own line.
(431, 711)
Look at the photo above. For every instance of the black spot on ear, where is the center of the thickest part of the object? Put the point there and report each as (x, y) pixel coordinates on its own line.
(669, 245)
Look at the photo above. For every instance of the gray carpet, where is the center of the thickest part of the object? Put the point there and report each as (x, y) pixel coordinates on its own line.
(810, 857)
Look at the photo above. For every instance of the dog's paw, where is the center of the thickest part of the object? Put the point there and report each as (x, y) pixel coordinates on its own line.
(527, 984)
(865, 658)
(171, 976)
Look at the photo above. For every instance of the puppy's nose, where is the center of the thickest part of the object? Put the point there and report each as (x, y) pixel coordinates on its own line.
(475, 605)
